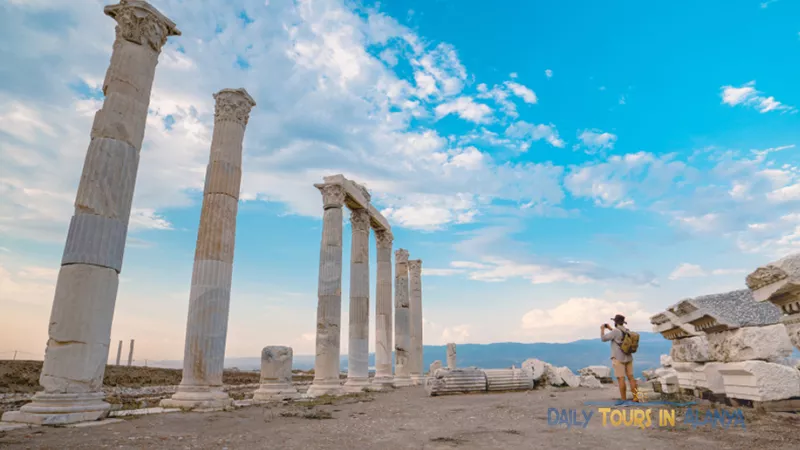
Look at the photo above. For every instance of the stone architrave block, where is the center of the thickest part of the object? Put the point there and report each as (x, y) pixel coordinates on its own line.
(95, 240)
(508, 380)
(712, 378)
(456, 381)
(596, 371)
(569, 378)
(590, 382)
(108, 180)
(760, 381)
(685, 373)
(777, 282)
(726, 311)
(767, 343)
(216, 236)
(223, 177)
(691, 349)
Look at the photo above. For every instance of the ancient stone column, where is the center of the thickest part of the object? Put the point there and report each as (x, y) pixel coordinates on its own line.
(86, 289)
(119, 352)
(210, 295)
(358, 348)
(276, 375)
(383, 312)
(415, 312)
(329, 306)
(130, 354)
(402, 320)
(451, 356)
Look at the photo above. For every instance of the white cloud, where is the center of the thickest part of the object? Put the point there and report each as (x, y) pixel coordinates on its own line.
(458, 334)
(523, 92)
(687, 270)
(597, 140)
(548, 73)
(440, 272)
(467, 109)
(532, 132)
(622, 99)
(580, 318)
(513, 75)
(747, 95)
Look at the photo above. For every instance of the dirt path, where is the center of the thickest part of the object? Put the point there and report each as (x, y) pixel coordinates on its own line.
(407, 419)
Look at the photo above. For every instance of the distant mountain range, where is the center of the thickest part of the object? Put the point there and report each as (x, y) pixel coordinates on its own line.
(575, 355)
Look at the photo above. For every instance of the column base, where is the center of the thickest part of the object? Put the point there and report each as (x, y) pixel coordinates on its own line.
(324, 387)
(275, 393)
(199, 398)
(402, 381)
(382, 384)
(417, 379)
(60, 409)
(355, 385)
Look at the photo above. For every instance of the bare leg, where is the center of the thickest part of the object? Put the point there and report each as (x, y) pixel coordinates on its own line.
(622, 394)
(634, 387)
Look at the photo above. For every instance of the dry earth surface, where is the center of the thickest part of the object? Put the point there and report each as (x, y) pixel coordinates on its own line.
(407, 419)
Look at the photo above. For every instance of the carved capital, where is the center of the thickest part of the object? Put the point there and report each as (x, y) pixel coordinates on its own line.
(764, 276)
(401, 255)
(384, 238)
(140, 23)
(332, 195)
(233, 105)
(415, 266)
(359, 220)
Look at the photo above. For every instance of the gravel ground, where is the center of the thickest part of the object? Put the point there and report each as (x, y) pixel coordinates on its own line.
(407, 419)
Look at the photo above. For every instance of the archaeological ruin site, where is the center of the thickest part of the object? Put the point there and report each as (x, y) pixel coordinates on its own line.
(730, 349)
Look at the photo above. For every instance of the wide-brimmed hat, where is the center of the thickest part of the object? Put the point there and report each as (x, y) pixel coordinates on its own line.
(619, 318)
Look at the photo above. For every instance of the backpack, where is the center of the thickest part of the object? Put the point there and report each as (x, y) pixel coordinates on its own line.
(630, 342)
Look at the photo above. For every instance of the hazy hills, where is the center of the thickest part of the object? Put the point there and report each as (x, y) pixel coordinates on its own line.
(575, 355)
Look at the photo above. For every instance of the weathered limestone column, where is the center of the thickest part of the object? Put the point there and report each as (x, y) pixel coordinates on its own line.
(329, 306)
(402, 320)
(276, 375)
(210, 295)
(358, 348)
(119, 352)
(415, 312)
(451, 355)
(86, 290)
(383, 312)
(130, 354)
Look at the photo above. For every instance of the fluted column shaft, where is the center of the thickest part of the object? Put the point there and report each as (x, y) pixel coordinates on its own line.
(402, 323)
(358, 348)
(210, 294)
(415, 312)
(86, 288)
(451, 355)
(329, 306)
(383, 309)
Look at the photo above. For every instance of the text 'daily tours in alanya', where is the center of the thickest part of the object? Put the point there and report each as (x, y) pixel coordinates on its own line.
(641, 417)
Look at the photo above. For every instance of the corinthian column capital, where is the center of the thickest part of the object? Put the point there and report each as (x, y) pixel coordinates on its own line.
(332, 195)
(140, 23)
(384, 238)
(233, 105)
(359, 220)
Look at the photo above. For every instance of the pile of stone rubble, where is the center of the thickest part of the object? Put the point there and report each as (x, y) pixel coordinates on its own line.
(735, 345)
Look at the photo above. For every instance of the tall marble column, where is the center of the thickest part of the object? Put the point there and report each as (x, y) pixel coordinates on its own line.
(329, 306)
(415, 312)
(210, 295)
(358, 348)
(451, 355)
(402, 320)
(86, 289)
(383, 312)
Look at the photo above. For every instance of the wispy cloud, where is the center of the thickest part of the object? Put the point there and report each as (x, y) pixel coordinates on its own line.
(687, 270)
(747, 95)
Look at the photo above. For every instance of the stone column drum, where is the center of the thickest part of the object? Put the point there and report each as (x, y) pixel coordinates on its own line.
(86, 289)
(383, 312)
(358, 348)
(329, 306)
(210, 295)
(451, 355)
(402, 320)
(415, 312)
(276, 375)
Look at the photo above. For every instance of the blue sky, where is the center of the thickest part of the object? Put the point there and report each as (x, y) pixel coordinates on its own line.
(552, 163)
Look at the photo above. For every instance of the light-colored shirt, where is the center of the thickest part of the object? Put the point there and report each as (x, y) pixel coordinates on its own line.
(616, 336)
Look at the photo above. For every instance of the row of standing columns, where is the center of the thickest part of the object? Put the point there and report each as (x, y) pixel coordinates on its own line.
(407, 304)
